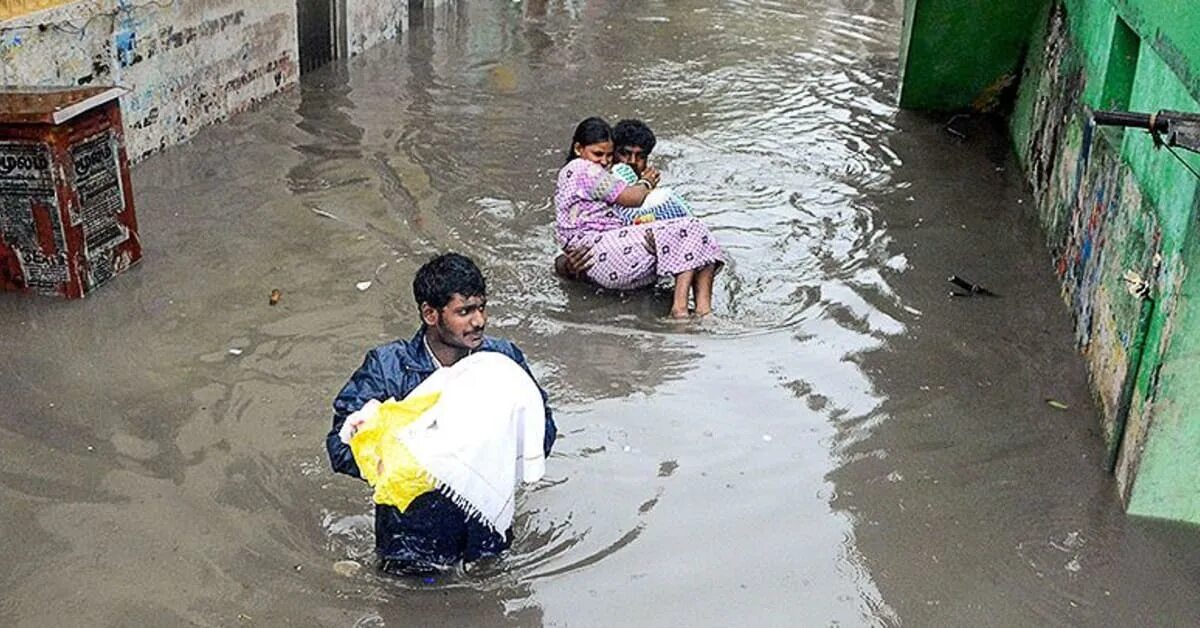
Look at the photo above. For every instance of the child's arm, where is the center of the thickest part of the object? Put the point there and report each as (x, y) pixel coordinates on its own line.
(628, 215)
(625, 173)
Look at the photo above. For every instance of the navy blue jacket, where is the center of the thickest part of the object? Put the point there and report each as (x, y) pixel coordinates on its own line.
(433, 530)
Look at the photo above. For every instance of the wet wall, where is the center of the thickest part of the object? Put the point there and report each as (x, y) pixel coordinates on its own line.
(186, 64)
(1120, 218)
(371, 22)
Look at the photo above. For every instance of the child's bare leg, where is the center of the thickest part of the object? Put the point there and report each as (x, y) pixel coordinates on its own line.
(679, 303)
(703, 287)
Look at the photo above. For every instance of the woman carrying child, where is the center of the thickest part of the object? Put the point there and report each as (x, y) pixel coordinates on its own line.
(590, 201)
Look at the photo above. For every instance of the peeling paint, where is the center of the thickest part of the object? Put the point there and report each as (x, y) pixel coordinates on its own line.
(369, 22)
(186, 65)
(1111, 205)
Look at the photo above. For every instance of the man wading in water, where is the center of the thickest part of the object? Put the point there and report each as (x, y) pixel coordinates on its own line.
(433, 531)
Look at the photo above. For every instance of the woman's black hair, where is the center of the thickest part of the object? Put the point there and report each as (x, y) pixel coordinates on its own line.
(634, 133)
(446, 275)
(591, 131)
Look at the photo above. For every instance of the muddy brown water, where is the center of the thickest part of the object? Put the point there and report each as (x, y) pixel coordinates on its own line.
(843, 445)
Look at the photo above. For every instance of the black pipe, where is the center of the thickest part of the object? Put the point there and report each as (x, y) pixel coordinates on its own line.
(1122, 118)
(1155, 122)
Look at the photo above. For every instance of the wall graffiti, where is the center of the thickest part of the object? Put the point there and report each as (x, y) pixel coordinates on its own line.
(177, 59)
(186, 65)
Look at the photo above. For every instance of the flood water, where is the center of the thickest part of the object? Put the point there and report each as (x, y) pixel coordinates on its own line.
(843, 445)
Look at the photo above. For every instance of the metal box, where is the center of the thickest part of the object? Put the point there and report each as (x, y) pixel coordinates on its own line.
(67, 221)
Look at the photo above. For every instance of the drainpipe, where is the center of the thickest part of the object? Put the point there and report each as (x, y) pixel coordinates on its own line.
(1169, 128)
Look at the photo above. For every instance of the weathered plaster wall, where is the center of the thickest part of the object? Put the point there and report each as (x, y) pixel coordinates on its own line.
(369, 22)
(187, 64)
(1113, 204)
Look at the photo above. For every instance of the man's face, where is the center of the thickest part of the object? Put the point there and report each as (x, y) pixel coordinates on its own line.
(632, 155)
(461, 323)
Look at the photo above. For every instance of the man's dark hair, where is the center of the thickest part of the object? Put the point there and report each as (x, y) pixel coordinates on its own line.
(633, 133)
(446, 275)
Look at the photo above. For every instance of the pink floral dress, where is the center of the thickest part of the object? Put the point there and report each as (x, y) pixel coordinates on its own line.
(587, 214)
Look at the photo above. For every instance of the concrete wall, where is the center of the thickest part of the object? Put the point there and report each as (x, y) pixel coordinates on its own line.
(187, 63)
(957, 54)
(1113, 204)
(370, 22)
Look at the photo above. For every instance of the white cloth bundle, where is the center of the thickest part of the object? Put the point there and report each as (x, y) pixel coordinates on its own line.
(483, 436)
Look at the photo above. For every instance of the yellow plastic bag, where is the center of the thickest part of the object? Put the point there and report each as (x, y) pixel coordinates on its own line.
(384, 461)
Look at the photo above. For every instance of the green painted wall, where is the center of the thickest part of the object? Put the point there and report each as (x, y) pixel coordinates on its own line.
(1110, 202)
(958, 53)
(1140, 55)
(1172, 30)
(1167, 479)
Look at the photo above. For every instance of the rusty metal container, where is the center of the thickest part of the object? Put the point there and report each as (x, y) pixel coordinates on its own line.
(67, 221)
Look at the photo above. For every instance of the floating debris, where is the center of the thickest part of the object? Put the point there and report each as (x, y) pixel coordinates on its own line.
(347, 568)
(362, 286)
(1138, 288)
(324, 214)
(235, 352)
(1056, 404)
(949, 126)
(276, 295)
(971, 288)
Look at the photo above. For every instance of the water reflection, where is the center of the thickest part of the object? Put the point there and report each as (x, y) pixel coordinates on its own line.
(1021, 524)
